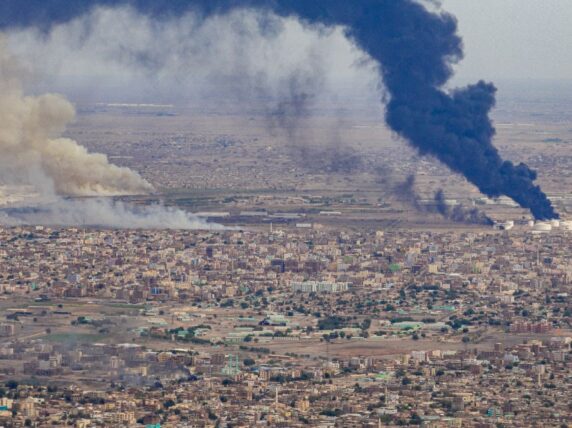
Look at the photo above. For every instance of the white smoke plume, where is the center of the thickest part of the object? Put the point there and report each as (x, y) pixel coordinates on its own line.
(33, 151)
(106, 213)
(44, 168)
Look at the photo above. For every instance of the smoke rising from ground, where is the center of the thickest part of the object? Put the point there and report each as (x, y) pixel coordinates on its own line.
(100, 212)
(415, 49)
(406, 193)
(216, 63)
(291, 118)
(459, 213)
(35, 157)
(34, 153)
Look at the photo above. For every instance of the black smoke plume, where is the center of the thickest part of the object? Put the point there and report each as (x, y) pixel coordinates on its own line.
(415, 49)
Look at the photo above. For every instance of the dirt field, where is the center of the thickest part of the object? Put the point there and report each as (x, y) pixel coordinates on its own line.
(205, 161)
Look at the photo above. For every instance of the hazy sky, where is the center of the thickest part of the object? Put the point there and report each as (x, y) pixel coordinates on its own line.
(506, 39)
(125, 56)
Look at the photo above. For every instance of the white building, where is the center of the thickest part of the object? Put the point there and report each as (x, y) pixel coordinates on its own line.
(319, 286)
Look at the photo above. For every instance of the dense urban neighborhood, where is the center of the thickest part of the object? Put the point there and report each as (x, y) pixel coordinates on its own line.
(288, 327)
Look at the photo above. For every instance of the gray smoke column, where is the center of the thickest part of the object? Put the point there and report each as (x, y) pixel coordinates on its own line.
(458, 213)
(415, 49)
(405, 191)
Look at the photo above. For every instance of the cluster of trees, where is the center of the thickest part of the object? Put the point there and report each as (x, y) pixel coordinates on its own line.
(332, 322)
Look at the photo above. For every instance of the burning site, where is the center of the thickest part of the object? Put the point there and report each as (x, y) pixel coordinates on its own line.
(285, 213)
(42, 173)
(411, 73)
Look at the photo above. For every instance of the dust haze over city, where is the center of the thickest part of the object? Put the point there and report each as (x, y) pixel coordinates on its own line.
(285, 213)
